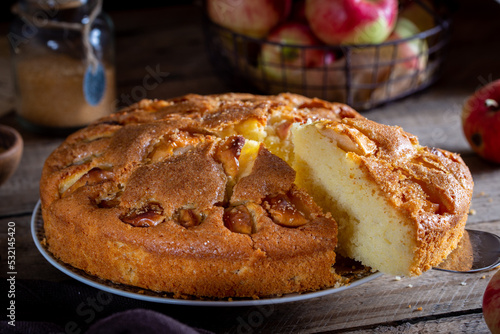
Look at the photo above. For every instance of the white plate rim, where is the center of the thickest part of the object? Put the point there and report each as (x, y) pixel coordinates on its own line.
(37, 225)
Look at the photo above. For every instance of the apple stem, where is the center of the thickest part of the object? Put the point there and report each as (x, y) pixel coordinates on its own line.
(492, 104)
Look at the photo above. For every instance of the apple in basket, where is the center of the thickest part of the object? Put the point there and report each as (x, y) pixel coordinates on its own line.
(293, 57)
(292, 46)
(481, 121)
(412, 54)
(491, 304)
(351, 21)
(390, 69)
(254, 18)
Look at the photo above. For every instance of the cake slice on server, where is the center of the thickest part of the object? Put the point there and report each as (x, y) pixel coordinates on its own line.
(401, 208)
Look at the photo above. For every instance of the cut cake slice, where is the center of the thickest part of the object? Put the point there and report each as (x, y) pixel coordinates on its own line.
(401, 208)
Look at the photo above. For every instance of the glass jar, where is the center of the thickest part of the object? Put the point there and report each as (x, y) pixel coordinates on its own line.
(63, 64)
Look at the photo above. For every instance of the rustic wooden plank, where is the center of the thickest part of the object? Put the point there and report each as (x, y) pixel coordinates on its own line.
(465, 324)
(30, 264)
(175, 46)
(382, 301)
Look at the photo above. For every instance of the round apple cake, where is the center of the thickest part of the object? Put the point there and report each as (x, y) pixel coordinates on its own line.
(185, 196)
(239, 195)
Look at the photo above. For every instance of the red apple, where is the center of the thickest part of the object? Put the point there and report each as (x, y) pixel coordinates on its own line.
(295, 35)
(412, 54)
(294, 60)
(491, 304)
(248, 17)
(352, 21)
(481, 121)
(400, 66)
(287, 55)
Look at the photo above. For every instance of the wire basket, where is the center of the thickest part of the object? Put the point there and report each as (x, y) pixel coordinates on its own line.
(362, 76)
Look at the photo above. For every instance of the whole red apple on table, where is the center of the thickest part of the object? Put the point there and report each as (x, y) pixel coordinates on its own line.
(352, 21)
(491, 304)
(481, 121)
(254, 18)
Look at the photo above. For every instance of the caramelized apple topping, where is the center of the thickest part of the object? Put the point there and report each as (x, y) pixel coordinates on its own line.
(109, 202)
(93, 176)
(188, 218)
(238, 219)
(149, 216)
(146, 219)
(348, 138)
(440, 203)
(228, 154)
(283, 129)
(314, 103)
(302, 202)
(174, 144)
(284, 213)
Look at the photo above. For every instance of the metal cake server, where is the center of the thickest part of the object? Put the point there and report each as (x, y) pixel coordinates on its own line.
(477, 251)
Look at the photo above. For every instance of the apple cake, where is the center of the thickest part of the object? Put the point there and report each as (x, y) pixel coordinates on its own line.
(400, 207)
(238, 195)
(192, 196)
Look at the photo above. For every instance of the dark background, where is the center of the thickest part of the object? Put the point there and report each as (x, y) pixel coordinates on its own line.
(108, 6)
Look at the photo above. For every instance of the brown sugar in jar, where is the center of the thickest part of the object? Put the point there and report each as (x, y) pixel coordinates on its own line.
(51, 94)
(63, 64)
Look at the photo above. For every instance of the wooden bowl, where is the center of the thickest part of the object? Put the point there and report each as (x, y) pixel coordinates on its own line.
(11, 150)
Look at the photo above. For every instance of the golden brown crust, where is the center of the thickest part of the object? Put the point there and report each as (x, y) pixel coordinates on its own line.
(152, 195)
(413, 173)
(274, 177)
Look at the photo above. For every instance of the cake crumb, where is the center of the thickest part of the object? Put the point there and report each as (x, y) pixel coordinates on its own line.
(483, 277)
(420, 308)
(463, 283)
(481, 194)
(397, 278)
(472, 212)
(409, 306)
(410, 285)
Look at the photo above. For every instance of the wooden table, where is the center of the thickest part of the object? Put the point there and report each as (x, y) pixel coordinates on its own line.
(170, 39)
